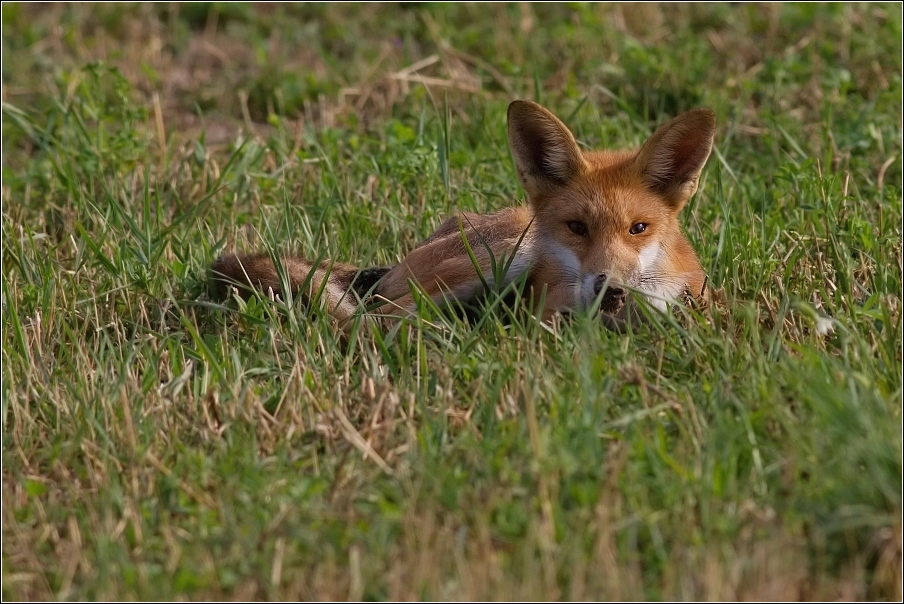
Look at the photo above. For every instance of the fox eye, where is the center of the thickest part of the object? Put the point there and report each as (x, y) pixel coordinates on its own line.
(638, 227)
(577, 227)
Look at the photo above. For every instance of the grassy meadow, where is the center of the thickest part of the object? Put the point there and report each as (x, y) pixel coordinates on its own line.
(158, 444)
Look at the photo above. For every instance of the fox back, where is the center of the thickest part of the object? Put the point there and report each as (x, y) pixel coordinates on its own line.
(598, 225)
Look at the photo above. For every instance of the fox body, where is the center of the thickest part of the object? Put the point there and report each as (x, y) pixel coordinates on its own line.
(597, 225)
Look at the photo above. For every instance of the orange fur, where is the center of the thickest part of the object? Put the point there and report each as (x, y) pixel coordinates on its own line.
(597, 223)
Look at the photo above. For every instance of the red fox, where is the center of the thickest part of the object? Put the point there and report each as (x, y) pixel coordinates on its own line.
(597, 225)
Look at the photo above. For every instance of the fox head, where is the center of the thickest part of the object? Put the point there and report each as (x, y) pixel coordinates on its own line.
(607, 221)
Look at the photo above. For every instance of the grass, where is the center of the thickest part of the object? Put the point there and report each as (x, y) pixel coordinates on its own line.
(157, 445)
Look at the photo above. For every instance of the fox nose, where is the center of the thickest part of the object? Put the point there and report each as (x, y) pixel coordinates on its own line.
(614, 296)
(611, 289)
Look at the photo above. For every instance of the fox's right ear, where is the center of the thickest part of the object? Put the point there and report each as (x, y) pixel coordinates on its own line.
(546, 154)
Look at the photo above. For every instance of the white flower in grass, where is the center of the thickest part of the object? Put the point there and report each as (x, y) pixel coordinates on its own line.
(825, 325)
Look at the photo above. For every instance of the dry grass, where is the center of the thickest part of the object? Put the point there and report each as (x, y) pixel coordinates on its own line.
(157, 445)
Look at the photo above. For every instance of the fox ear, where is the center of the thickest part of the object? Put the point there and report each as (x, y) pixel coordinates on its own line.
(546, 154)
(671, 160)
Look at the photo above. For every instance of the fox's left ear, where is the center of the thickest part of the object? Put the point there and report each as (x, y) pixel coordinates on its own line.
(671, 160)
